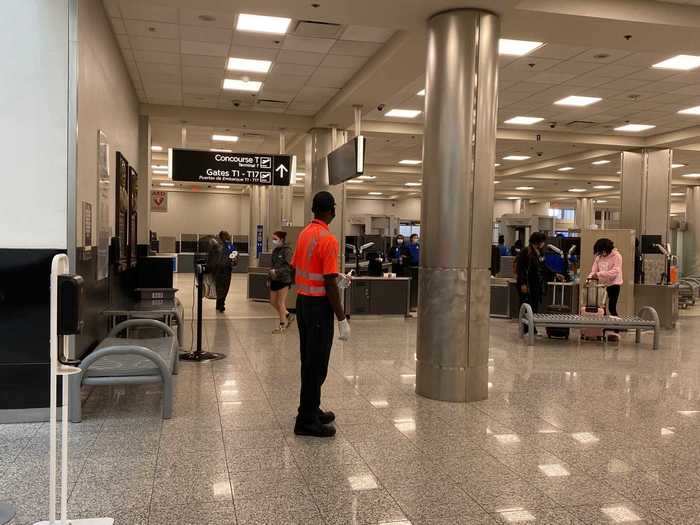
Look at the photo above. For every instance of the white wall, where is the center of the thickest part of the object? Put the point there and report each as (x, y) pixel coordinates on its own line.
(202, 213)
(33, 123)
(106, 101)
(502, 207)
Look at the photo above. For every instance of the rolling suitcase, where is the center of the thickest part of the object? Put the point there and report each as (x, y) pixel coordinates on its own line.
(594, 307)
(558, 307)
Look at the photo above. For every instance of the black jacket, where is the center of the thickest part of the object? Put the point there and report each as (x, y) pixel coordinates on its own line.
(282, 264)
(531, 271)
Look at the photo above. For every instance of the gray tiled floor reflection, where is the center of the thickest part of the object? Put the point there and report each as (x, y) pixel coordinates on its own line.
(572, 432)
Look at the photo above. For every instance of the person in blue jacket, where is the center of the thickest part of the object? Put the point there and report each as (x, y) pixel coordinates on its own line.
(503, 250)
(414, 251)
(399, 256)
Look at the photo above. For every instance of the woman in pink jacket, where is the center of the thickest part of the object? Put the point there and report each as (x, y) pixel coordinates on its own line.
(607, 269)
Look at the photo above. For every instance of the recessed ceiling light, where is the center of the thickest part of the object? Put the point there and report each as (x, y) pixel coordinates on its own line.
(695, 110)
(692, 175)
(497, 182)
(619, 172)
(516, 157)
(225, 138)
(677, 194)
(524, 188)
(512, 198)
(263, 24)
(404, 113)
(508, 46)
(160, 172)
(217, 150)
(375, 193)
(601, 201)
(678, 165)
(496, 165)
(635, 127)
(167, 184)
(235, 84)
(602, 187)
(575, 100)
(248, 64)
(156, 148)
(600, 162)
(413, 184)
(577, 190)
(410, 162)
(565, 168)
(159, 166)
(222, 187)
(354, 181)
(367, 177)
(682, 62)
(525, 121)
(421, 93)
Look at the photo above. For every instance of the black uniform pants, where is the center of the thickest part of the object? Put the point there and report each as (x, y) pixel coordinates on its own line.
(222, 279)
(315, 321)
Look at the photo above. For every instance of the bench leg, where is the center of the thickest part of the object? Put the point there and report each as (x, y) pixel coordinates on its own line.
(74, 407)
(167, 396)
(638, 336)
(656, 340)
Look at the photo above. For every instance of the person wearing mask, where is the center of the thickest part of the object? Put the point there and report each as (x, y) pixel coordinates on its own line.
(607, 270)
(414, 250)
(315, 266)
(222, 256)
(516, 248)
(502, 248)
(281, 279)
(398, 254)
(531, 272)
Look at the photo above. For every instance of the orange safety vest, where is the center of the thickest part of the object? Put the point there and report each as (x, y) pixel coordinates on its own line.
(316, 255)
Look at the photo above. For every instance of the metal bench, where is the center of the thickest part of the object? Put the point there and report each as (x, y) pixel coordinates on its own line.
(126, 361)
(647, 319)
(687, 292)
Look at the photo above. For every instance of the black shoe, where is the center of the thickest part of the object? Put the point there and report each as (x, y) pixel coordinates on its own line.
(326, 417)
(322, 431)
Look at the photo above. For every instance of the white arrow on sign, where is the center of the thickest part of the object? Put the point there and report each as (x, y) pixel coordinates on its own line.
(282, 169)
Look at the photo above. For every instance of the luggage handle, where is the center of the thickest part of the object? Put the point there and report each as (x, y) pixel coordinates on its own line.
(555, 285)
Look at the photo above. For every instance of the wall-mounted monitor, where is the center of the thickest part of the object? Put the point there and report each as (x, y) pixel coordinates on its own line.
(347, 161)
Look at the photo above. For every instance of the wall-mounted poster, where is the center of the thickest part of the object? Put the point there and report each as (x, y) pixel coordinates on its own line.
(133, 216)
(159, 201)
(122, 218)
(104, 187)
(87, 230)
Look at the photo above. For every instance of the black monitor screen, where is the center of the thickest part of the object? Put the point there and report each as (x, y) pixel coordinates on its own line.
(648, 242)
(347, 161)
(155, 272)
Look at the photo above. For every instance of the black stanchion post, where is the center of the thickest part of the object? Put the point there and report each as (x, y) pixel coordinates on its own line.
(198, 354)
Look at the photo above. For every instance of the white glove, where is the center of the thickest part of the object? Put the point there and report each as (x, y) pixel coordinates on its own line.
(344, 280)
(344, 328)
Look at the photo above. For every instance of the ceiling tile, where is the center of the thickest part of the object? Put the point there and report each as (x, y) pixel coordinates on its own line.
(204, 61)
(693, 89)
(297, 57)
(571, 66)
(277, 94)
(557, 51)
(245, 38)
(164, 45)
(663, 86)
(551, 78)
(653, 74)
(190, 17)
(367, 34)
(359, 49)
(310, 94)
(118, 26)
(595, 55)
(142, 55)
(332, 77)
(124, 41)
(277, 81)
(161, 69)
(211, 49)
(293, 69)
(139, 10)
(589, 80)
(192, 89)
(297, 109)
(348, 61)
(192, 74)
(625, 84)
(616, 71)
(307, 45)
(164, 100)
(200, 101)
(151, 29)
(206, 34)
(112, 8)
(162, 90)
(160, 78)
(257, 53)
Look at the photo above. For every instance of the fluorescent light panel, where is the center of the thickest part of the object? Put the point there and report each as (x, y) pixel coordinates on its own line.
(524, 188)
(367, 177)
(248, 64)
(217, 150)
(677, 194)
(497, 182)
(410, 162)
(695, 110)
(421, 93)
(222, 187)
(680, 62)
(577, 190)
(600, 162)
(677, 165)
(354, 181)
(225, 138)
(496, 165)
(518, 48)
(565, 168)
(263, 24)
(575, 100)
(691, 175)
(524, 121)
(415, 184)
(167, 184)
(235, 84)
(602, 187)
(159, 166)
(404, 113)
(156, 148)
(516, 157)
(375, 193)
(512, 198)
(635, 128)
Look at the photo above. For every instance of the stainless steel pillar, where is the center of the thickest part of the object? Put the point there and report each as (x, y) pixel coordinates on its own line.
(321, 143)
(691, 237)
(584, 213)
(645, 192)
(259, 222)
(144, 180)
(281, 202)
(458, 154)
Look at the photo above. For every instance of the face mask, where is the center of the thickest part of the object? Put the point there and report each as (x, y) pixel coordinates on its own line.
(276, 242)
(399, 241)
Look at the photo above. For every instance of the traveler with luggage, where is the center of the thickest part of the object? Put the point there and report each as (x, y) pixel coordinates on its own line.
(532, 275)
(607, 270)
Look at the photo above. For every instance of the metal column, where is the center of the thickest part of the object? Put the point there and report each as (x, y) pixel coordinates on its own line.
(645, 192)
(458, 154)
(144, 180)
(259, 221)
(691, 237)
(280, 202)
(585, 216)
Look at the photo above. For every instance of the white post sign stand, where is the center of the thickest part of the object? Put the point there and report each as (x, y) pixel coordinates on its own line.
(60, 266)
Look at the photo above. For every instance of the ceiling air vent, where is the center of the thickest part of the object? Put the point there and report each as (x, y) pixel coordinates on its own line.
(271, 103)
(580, 124)
(309, 28)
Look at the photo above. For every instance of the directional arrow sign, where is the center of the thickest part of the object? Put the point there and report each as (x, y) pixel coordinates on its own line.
(229, 168)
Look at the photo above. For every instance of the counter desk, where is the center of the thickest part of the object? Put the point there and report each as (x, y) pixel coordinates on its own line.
(378, 296)
(663, 298)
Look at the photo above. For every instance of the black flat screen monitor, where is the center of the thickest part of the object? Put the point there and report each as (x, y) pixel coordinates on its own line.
(648, 242)
(155, 272)
(347, 161)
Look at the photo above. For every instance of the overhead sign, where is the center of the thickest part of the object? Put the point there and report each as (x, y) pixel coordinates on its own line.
(188, 165)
